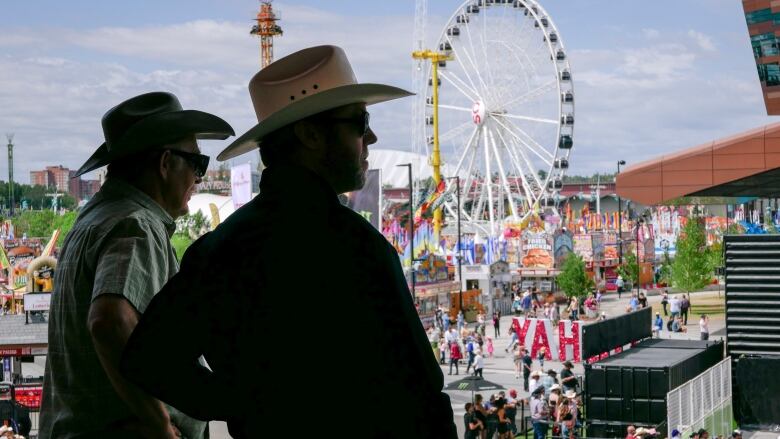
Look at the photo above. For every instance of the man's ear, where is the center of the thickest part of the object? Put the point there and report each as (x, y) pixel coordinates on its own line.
(164, 164)
(309, 136)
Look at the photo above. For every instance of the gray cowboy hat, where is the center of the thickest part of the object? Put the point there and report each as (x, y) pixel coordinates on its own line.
(151, 120)
(303, 84)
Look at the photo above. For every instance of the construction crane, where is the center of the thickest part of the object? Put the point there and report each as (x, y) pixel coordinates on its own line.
(266, 28)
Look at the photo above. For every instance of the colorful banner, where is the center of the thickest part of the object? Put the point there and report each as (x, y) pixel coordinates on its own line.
(561, 342)
(564, 244)
(583, 247)
(537, 248)
(429, 200)
(368, 200)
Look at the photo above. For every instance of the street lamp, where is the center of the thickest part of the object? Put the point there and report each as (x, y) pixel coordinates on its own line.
(411, 226)
(620, 217)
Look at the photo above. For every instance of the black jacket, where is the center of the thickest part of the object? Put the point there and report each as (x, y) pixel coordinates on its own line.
(293, 281)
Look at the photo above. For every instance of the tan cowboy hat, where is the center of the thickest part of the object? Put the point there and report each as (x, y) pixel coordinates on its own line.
(303, 84)
(149, 121)
(571, 394)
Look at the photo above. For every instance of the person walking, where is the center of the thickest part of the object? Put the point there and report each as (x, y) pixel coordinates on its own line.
(665, 301)
(527, 362)
(704, 327)
(619, 283)
(541, 353)
(455, 356)
(685, 306)
(461, 321)
(470, 351)
(114, 260)
(479, 364)
(489, 347)
(496, 324)
(313, 135)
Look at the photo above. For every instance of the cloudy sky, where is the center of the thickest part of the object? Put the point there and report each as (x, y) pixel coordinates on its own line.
(650, 77)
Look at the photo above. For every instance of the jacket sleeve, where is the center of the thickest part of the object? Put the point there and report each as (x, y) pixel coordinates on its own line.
(162, 355)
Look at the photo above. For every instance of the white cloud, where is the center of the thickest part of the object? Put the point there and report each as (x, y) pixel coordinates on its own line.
(703, 41)
(650, 33)
(632, 102)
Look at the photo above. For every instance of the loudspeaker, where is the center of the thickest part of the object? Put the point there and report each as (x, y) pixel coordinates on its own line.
(756, 392)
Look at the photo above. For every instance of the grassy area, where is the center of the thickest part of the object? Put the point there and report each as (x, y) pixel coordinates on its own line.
(710, 305)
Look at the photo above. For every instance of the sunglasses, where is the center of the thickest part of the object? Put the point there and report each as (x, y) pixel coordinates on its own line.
(198, 162)
(361, 122)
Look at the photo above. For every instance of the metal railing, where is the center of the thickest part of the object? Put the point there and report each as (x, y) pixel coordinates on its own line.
(703, 402)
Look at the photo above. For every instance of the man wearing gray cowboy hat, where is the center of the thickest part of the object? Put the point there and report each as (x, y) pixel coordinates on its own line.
(293, 246)
(115, 258)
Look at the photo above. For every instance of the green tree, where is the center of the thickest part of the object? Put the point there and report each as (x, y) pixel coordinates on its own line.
(692, 267)
(630, 269)
(666, 268)
(573, 280)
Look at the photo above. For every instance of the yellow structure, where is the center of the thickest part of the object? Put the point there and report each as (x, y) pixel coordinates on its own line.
(435, 58)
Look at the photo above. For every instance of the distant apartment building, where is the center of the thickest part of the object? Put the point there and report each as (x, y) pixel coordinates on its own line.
(61, 179)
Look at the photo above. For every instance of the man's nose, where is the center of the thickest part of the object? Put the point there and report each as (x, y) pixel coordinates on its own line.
(370, 137)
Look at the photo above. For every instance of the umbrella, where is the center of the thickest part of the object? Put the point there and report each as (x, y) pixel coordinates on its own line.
(474, 384)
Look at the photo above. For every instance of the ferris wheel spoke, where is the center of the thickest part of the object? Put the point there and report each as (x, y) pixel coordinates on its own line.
(461, 60)
(489, 180)
(502, 175)
(529, 118)
(455, 107)
(466, 150)
(545, 158)
(459, 85)
(538, 91)
(473, 63)
(519, 168)
(455, 131)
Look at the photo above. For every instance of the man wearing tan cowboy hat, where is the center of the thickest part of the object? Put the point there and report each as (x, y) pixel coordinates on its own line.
(116, 257)
(292, 246)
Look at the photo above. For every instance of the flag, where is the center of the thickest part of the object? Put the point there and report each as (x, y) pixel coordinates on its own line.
(4, 264)
(49, 249)
(435, 195)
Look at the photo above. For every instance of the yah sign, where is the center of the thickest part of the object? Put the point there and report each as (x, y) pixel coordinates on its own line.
(563, 340)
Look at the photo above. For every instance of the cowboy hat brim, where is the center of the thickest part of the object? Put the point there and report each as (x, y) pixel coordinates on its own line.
(157, 130)
(325, 100)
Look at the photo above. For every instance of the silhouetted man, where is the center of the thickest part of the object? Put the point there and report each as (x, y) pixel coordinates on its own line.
(115, 258)
(232, 298)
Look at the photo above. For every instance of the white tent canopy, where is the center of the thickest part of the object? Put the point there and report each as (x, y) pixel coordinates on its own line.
(200, 202)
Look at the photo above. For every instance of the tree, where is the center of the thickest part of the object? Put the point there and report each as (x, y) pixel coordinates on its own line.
(573, 279)
(692, 267)
(630, 269)
(666, 268)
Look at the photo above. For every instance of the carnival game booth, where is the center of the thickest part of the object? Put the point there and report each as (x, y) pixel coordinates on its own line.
(431, 287)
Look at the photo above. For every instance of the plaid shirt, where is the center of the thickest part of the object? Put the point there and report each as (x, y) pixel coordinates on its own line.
(120, 244)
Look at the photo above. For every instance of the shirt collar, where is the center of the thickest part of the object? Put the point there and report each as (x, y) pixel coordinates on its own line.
(282, 180)
(117, 188)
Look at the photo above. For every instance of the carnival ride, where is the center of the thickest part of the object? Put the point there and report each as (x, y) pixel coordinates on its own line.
(499, 99)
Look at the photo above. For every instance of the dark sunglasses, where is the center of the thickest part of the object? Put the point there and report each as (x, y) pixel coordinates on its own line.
(361, 122)
(198, 162)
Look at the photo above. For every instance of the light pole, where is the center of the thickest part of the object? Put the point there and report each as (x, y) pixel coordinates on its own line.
(620, 217)
(411, 227)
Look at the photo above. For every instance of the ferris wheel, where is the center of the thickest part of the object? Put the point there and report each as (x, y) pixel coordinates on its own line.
(505, 110)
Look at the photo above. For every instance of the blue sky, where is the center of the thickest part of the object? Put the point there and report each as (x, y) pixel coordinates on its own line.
(651, 76)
